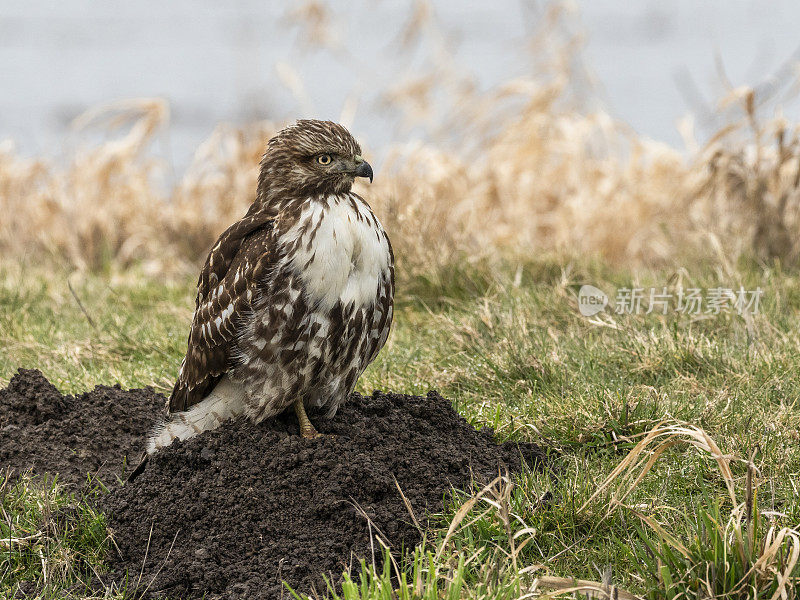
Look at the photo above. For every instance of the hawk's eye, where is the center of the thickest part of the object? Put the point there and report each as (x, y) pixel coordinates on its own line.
(324, 159)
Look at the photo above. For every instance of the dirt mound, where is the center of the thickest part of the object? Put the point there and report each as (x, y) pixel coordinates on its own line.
(236, 511)
(72, 435)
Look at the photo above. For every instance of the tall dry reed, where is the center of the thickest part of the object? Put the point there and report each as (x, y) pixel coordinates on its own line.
(513, 172)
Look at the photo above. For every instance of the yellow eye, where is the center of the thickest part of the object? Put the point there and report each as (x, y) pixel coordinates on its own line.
(324, 159)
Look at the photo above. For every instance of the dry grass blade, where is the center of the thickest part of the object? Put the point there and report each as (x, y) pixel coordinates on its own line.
(407, 504)
(771, 555)
(20, 542)
(590, 589)
(635, 466)
(462, 512)
(716, 544)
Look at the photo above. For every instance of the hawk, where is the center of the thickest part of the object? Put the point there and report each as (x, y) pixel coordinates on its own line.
(295, 299)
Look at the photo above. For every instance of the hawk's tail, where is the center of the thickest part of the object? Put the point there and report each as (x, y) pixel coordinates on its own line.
(225, 402)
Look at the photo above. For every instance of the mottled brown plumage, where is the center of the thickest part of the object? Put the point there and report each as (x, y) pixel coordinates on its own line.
(295, 299)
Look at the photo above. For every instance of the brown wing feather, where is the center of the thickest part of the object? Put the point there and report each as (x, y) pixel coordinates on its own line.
(227, 287)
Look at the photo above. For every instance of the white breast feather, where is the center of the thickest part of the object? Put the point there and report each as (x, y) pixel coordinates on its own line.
(348, 258)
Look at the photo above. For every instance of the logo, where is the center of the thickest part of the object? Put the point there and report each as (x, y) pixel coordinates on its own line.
(591, 300)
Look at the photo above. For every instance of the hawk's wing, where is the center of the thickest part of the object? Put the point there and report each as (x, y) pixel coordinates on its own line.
(227, 287)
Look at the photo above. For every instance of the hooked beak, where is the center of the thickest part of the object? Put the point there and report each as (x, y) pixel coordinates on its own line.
(363, 169)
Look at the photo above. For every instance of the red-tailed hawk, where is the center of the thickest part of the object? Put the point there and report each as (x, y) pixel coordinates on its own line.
(295, 299)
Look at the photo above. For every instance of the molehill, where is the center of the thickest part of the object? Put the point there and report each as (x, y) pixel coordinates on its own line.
(235, 512)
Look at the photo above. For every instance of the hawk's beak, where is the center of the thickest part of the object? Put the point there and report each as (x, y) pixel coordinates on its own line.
(363, 169)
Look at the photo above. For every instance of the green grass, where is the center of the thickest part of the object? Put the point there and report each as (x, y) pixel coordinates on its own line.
(509, 347)
(49, 537)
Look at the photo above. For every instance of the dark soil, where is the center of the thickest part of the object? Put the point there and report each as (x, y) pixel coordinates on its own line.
(233, 512)
(73, 436)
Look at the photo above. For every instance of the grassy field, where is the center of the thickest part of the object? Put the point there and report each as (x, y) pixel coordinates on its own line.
(508, 345)
(674, 437)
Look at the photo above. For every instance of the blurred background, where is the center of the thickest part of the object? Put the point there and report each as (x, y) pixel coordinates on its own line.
(620, 129)
(648, 63)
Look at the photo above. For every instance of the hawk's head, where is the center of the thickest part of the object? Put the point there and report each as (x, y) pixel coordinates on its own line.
(312, 157)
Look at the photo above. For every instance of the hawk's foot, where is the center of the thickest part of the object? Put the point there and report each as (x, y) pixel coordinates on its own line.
(307, 429)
